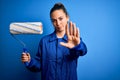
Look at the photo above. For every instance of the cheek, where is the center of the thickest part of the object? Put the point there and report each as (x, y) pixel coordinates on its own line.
(65, 23)
(54, 24)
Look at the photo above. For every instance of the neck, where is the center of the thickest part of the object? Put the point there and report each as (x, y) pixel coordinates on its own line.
(60, 34)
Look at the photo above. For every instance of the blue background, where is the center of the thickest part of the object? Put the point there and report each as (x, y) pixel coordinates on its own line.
(99, 24)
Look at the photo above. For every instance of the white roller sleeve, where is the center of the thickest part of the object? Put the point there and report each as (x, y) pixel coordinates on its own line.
(26, 28)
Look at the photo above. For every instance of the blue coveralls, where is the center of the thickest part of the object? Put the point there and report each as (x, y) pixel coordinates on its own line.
(56, 62)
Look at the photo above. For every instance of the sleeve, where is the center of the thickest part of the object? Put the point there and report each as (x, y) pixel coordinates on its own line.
(79, 50)
(35, 64)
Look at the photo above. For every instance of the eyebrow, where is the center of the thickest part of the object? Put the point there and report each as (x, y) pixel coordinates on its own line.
(58, 18)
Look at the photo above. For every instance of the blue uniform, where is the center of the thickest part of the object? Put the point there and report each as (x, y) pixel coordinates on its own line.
(56, 62)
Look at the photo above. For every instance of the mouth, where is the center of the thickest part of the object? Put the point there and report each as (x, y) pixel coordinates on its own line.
(58, 27)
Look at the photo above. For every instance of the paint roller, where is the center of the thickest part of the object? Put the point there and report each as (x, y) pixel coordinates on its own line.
(17, 28)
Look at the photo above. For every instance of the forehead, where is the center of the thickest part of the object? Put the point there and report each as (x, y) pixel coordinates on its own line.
(57, 13)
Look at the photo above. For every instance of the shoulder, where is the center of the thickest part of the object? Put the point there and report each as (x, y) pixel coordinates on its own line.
(47, 37)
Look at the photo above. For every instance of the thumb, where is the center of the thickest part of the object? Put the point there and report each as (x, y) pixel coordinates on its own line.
(28, 54)
(64, 44)
(29, 57)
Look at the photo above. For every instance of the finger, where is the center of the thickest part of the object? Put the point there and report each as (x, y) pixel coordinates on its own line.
(77, 32)
(23, 53)
(24, 57)
(67, 30)
(27, 54)
(24, 60)
(74, 28)
(71, 28)
(64, 44)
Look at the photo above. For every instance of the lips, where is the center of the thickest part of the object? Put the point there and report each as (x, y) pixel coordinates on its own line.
(58, 27)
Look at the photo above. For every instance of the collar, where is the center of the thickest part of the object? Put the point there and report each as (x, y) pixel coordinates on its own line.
(54, 37)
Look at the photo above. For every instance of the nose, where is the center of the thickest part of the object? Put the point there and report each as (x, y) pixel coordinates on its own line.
(57, 22)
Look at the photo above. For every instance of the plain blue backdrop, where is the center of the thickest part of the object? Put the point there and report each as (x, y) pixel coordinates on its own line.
(99, 24)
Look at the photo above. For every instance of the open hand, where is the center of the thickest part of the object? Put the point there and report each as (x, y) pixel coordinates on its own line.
(73, 36)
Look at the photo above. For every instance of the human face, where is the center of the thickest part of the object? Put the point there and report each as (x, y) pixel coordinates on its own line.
(59, 20)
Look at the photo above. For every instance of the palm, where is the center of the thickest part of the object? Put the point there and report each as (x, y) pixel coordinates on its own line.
(73, 36)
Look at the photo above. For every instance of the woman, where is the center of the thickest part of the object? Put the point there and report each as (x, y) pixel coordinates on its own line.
(58, 52)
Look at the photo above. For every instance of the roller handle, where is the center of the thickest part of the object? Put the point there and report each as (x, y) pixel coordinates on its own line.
(25, 50)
